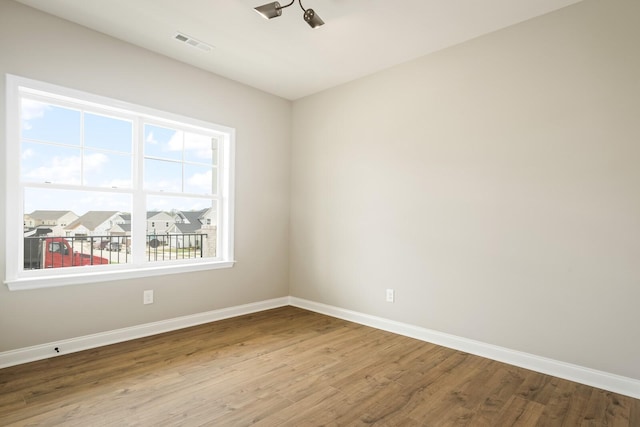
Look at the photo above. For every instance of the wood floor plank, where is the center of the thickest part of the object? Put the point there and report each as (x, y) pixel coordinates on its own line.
(558, 408)
(498, 389)
(292, 367)
(520, 411)
(440, 399)
(537, 388)
(634, 412)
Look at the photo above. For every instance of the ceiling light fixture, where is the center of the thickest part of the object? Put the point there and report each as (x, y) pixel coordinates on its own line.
(273, 10)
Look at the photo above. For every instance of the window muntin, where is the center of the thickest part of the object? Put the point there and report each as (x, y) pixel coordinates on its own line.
(73, 145)
(129, 161)
(179, 161)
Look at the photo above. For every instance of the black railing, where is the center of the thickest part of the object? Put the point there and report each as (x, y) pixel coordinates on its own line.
(69, 251)
(161, 247)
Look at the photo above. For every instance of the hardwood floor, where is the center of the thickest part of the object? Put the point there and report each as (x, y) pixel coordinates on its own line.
(291, 367)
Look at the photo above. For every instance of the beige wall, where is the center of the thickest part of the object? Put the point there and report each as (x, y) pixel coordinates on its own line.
(494, 185)
(38, 46)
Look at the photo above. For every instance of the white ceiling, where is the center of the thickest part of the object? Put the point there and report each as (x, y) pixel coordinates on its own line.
(284, 56)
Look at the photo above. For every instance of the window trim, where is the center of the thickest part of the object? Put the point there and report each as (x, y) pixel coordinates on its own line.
(15, 277)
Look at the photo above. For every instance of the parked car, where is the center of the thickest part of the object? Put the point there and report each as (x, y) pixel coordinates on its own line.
(114, 246)
(101, 244)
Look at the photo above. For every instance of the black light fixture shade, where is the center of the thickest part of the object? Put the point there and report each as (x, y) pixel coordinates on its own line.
(312, 18)
(269, 10)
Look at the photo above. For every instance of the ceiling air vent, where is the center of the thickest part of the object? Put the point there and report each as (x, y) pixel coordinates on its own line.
(193, 42)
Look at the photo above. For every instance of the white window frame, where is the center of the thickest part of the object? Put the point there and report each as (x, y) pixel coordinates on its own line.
(17, 278)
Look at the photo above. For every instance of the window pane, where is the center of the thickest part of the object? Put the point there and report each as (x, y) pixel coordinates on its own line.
(50, 163)
(75, 228)
(199, 179)
(78, 161)
(161, 175)
(180, 228)
(107, 170)
(107, 132)
(45, 122)
(163, 142)
(199, 148)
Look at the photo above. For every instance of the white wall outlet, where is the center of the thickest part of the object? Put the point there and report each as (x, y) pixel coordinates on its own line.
(147, 297)
(390, 295)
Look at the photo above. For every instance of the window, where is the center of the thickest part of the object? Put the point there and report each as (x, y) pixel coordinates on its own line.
(109, 190)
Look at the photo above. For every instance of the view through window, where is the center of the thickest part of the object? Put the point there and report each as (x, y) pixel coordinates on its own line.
(103, 187)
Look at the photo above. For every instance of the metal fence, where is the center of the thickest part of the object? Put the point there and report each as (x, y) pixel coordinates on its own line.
(68, 251)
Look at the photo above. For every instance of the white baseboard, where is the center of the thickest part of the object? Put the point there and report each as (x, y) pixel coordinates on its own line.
(45, 351)
(603, 380)
(606, 381)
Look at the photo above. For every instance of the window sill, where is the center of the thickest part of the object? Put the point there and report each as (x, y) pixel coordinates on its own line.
(25, 283)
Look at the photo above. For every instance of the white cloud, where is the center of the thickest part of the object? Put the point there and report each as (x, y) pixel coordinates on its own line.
(61, 170)
(28, 153)
(201, 181)
(32, 110)
(66, 170)
(150, 139)
(176, 142)
(200, 144)
(95, 161)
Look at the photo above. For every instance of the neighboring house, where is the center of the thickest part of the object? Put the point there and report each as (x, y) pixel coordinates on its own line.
(177, 229)
(120, 229)
(93, 223)
(159, 222)
(122, 218)
(57, 221)
(28, 222)
(121, 225)
(190, 224)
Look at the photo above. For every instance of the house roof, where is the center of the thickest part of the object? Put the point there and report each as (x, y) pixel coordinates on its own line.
(190, 221)
(49, 215)
(92, 219)
(161, 214)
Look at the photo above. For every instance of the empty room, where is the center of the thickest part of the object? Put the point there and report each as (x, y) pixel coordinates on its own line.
(320, 212)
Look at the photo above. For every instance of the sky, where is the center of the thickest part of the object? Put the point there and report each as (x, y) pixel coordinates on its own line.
(61, 145)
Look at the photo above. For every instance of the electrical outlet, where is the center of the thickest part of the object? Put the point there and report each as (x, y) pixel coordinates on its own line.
(147, 297)
(390, 295)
